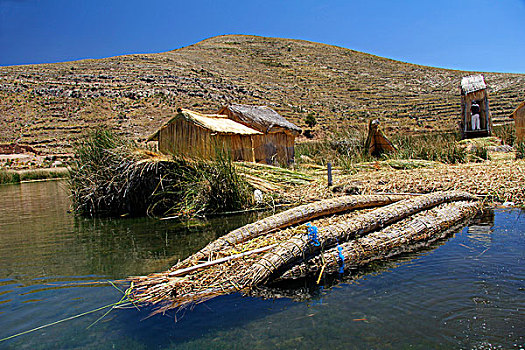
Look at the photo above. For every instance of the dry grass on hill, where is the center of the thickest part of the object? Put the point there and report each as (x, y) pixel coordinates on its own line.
(49, 105)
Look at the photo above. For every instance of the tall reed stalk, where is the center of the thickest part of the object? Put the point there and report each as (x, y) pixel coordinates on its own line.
(436, 147)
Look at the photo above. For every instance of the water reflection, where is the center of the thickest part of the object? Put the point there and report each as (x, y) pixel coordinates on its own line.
(40, 238)
(481, 228)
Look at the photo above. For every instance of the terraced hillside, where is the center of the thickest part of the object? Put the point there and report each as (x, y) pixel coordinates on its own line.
(48, 106)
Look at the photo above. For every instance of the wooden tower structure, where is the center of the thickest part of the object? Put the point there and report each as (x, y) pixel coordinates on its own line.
(475, 102)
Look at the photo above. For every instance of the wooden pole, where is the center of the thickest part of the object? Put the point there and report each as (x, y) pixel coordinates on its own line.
(218, 261)
(330, 174)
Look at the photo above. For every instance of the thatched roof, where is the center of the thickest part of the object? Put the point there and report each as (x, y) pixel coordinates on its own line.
(472, 83)
(214, 122)
(262, 118)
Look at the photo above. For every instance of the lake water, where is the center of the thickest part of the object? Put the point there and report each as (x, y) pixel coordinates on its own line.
(466, 292)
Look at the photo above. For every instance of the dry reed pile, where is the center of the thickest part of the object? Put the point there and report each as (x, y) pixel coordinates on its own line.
(272, 177)
(260, 259)
(498, 181)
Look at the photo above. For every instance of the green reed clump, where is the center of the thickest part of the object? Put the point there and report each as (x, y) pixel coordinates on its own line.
(44, 174)
(14, 177)
(348, 148)
(481, 153)
(110, 177)
(204, 187)
(224, 188)
(506, 132)
(9, 177)
(103, 176)
(317, 151)
(434, 147)
(340, 148)
(520, 150)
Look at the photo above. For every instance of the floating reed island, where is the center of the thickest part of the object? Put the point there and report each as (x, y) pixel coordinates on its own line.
(317, 239)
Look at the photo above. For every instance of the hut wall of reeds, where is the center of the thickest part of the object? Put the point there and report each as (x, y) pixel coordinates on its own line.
(474, 89)
(276, 145)
(195, 135)
(519, 121)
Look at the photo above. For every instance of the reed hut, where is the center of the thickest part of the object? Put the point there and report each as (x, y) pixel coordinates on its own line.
(278, 140)
(474, 102)
(519, 121)
(195, 135)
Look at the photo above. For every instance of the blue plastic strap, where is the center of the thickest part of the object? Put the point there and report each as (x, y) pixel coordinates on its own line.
(312, 234)
(342, 258)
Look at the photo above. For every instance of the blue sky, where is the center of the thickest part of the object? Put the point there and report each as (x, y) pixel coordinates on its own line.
(482, 35)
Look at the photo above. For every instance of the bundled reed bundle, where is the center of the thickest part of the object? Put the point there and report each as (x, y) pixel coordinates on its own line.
(297, 247)
(287, 218)
(406, 235)
(292, 252)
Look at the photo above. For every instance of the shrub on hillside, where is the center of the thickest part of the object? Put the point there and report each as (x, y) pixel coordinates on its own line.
(310, 120)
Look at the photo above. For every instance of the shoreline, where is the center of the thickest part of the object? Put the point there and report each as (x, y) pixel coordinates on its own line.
(500, 182)
(32, 175)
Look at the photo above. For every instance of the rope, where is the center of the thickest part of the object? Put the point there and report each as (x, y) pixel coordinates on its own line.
(342, 258)
(312, 234)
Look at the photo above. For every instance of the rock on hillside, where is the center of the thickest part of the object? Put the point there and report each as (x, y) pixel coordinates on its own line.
(49, 105)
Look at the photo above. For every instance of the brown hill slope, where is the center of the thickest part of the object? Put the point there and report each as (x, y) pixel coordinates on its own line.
(49, 105)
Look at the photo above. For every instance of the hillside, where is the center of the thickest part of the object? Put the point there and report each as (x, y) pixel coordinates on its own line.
(48, 106)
